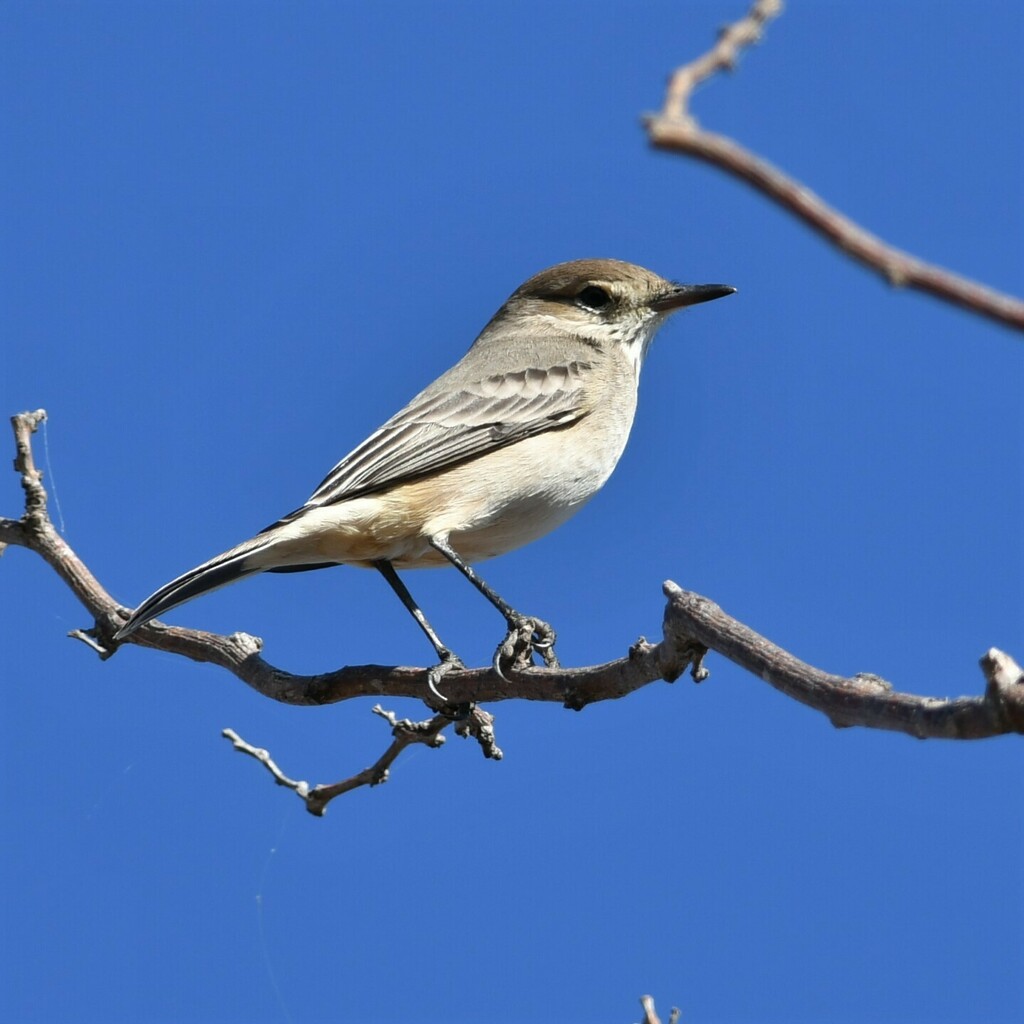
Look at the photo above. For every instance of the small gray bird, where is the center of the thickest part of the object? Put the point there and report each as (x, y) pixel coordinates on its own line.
(501, 449)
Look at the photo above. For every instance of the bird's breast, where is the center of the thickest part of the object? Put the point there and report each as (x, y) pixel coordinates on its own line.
(514, 495)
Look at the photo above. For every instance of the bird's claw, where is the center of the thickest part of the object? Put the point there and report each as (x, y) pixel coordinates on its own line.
(449, 663)
(525, 635)
(544, 643)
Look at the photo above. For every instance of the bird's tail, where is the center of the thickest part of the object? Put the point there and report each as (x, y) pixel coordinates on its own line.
(218, 572)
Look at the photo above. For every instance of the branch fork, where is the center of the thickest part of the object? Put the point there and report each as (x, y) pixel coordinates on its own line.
(674, 129)
(405, 733)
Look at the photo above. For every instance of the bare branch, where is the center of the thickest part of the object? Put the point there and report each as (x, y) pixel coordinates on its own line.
(35, 531)
(863, 699)
(239, 653)
(1004, 676)
(692, 626)
(723, 56)
(480, 725)
(676, 130)
(651, 1015)
(405, 733)
(263, 756)
(25, 425)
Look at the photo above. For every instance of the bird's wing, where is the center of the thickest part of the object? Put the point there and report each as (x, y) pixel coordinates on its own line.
(444, 426)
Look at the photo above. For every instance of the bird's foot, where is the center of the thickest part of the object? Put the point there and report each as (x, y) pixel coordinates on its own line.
(450, 662)
(525, 635)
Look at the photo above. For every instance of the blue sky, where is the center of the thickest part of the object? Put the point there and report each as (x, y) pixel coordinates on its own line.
(221, 219)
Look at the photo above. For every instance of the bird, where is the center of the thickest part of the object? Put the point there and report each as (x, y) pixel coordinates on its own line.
(499, 450)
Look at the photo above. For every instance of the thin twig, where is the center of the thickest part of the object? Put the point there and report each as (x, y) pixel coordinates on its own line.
(676, 130)
(732, 40)
(262, 755)
(651, 1015)
(316, 798)
(25, 425)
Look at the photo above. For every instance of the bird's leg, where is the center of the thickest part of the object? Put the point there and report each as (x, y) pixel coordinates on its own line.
(525, 633)
(450, 661)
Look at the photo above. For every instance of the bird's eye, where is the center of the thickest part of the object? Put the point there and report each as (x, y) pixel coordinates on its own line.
(593, 297)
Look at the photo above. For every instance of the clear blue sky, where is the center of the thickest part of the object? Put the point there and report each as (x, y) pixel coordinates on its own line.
(219, 221)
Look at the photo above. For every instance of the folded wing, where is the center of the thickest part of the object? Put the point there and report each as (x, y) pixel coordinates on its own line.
(442, 427)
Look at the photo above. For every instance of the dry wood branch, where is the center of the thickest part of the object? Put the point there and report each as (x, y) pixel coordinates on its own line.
(239, 653)
(692, 625)
(732, 40)
(862, 699)
(676, 130)
(651, 1014)
(316, 798)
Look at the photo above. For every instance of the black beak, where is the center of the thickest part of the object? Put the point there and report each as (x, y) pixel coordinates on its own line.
(689, 295)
